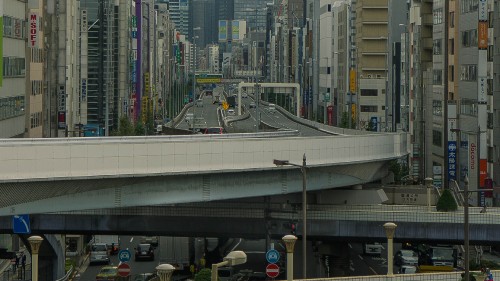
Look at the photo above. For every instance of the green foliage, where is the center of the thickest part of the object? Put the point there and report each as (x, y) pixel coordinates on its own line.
(125, 128)
(399, 169)
(344, 121)
(203, 275)
(446, 202)
(69, 263)
(483, 264)
(139, 129)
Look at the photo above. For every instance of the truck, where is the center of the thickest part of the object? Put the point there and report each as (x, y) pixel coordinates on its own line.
(175, 251)
(112, 241)
(435, 257)
(231, 101)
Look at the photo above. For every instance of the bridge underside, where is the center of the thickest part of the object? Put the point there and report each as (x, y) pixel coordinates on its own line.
(104, 193)
(257, 225)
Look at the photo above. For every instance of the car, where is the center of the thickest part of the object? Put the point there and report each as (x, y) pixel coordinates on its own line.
(408, 269)
(199, 103)
(406, 257)
(144, 276)
(231, 112)
(99, 253)
(153, 240)
(144, 252)
(252, 105)
(271, 108)
(214, 130)
(107, 273)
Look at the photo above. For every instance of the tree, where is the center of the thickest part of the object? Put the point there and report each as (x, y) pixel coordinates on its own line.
(399, 169)
(446, 202)
(125, 128)
(203, 275)
(344, 121)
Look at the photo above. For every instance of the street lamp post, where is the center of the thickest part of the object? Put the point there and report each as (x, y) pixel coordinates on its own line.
(165, 271)
(232, 259)
(428, 183)
(290, 245)
(303, 169)
(390, 228)
(466, 227)
(194, 74)
(35, 243)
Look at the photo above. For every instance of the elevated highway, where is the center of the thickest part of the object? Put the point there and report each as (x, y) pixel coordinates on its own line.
(256, 220)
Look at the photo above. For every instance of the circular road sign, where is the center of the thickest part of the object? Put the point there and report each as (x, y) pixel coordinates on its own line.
(123, 269)
(272, 256)
(124, 255)
(272, 270)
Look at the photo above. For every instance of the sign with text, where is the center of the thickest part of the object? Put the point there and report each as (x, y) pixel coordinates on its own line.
(33, 30)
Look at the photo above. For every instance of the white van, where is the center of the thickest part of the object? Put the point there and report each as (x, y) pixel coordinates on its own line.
(271, 107)
(99, 253)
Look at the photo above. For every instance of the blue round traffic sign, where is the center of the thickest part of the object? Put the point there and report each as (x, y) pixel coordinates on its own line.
(124, 255)
(272, 256)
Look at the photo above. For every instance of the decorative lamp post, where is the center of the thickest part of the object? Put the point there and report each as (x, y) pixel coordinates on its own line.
(35, 243)
(428, 184)
(232, 259)
(290, 244)
(390, 228)
(165, 271)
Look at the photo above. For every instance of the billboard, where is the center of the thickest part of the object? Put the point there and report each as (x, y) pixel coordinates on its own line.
(223, 30)
(33, 30)
(1, 42)
(235, 30)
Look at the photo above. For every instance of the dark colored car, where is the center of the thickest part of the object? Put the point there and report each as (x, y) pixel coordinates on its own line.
(144, 252)
(214, 130)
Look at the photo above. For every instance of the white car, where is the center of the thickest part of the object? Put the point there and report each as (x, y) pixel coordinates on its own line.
(406, 257)
(231, 112)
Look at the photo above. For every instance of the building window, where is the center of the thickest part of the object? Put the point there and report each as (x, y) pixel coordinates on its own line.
(451, 73)
(437, 108)
(11, 107)
(14, 28)
(467, 6)
(437, 138)
(35, 120)
(14, 67)
(437, 46)
(438, 16)
(468, 107)
(368, 108)
(469, 38)
(369, 92)
(452, 19)
(437, 77)
(36, 87)
(468, 72)
(37, 55)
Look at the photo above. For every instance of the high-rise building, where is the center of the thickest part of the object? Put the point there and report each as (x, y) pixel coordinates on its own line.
(13, 92)
(179, 14)
(254, 12)
(203, 22)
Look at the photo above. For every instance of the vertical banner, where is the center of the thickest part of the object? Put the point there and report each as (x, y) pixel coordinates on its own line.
(33, 30)
(1, 42)
(452, 142)
(352, 81)
(235, 30)
(482, 100)
(222, 30)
